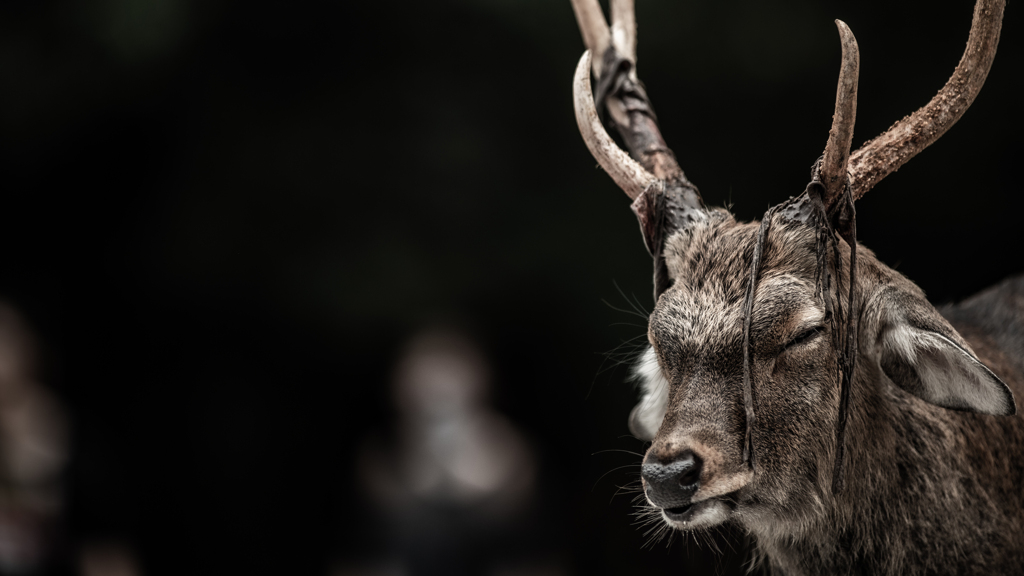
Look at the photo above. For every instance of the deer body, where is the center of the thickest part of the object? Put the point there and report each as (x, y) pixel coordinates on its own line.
(796, 385)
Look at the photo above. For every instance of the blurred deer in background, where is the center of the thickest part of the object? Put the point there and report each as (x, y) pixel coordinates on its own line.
(33, 455)
(454, 483)
(797, 386)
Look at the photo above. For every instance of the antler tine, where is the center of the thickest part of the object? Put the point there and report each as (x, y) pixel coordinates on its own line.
(596, 35)
(624, 28)
(886, 153)
(833, 172)
(626, 172)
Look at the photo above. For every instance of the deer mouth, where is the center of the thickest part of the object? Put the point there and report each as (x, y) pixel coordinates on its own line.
(679, 513)
(691, 514)
(702, 514)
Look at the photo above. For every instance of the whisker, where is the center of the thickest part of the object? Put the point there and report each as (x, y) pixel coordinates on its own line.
(634, 302)
(617, 450)
(634, 487)
(609, 472)
(625, 353)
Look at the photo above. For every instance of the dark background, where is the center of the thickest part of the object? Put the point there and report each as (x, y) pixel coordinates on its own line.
(223, 218)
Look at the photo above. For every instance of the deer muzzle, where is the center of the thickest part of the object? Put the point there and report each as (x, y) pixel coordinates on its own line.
(672, 485)
(692, 483)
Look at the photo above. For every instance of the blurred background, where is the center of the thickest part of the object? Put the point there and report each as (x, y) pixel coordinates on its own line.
(335, 287)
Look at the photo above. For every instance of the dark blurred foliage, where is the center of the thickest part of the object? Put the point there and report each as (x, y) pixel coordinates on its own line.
(223, 218)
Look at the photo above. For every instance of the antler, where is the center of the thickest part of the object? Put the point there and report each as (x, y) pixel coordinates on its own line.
(886, 153)
(613, 60)
(626, 172)
(832, 172)
(596, 35)
(663, 199)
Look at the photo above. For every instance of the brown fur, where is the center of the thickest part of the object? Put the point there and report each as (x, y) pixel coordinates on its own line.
(929, 490)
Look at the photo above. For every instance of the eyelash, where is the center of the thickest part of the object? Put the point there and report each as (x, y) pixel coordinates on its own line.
(804, 337)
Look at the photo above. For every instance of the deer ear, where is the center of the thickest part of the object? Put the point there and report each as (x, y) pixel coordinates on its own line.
(922, 354)
(646, 417)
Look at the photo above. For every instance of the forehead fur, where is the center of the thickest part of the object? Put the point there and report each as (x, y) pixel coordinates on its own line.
(710, 269)
(716, 256)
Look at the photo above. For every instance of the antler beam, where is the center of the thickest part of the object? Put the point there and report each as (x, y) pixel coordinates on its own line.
(886, 153)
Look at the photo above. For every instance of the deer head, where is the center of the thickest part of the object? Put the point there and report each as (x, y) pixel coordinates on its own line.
(764, 334)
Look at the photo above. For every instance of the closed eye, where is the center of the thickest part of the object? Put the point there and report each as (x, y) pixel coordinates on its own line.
(804, 337)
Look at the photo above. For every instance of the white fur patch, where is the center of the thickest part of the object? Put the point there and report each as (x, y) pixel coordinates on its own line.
(646, 417)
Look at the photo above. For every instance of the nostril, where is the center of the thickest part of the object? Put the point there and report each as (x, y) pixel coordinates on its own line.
(689, 466)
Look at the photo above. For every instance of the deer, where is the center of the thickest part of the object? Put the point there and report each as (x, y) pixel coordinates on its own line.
(794, 385)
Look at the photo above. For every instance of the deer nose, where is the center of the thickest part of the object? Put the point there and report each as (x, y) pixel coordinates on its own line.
(672, 484)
